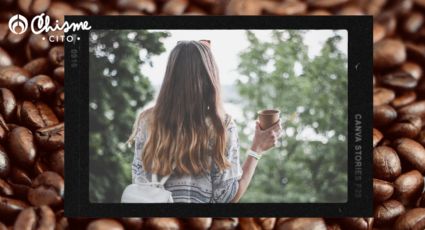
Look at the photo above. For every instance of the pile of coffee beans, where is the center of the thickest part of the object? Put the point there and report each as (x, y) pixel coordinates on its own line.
(32, 110)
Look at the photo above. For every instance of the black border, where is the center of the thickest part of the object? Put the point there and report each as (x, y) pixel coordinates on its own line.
(360, 102)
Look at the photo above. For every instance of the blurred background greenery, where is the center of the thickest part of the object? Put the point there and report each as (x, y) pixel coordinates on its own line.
(310, 162)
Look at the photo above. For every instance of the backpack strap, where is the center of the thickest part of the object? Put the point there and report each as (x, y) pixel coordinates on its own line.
(163, 179)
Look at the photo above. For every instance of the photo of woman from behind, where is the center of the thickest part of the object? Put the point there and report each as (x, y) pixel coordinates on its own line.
(189, 137)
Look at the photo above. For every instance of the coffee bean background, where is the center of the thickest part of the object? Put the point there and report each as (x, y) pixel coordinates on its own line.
(32, 110)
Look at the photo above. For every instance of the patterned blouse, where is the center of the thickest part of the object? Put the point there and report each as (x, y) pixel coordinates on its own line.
(213, 187)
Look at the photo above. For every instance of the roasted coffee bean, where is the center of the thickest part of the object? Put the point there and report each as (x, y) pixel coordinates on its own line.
(266, 223)
(388, 53)
(59, 74)
(37, 66)
(46, 189)
(377, 137)
(243, 7)
(38, 86)
(105, 224)
(19, 176)
(163, 223)
(36, 115)
(378, 32)
(7, 104)
(12, 77)
(403, 99)
(414, 109)
(4, 163)
(133, 223)
(387, 212)
(38, 218)
(421, 137)
(22, 147)
(5, 59)
(412, 152)
(399, 80)
(326, 3)
(224, 223)
(407, 126)
(60, 103)
(52, 137)
(357, 223)
(382, 96)
(386, 164)
(57, 161)
(411, 220)
(57, 55)
(40, 165)
(9, 208)
(32, 7)
(147, 6)
(413, 22)
(37, 45)
(248, 223)
(284, 8)
(383, 115)
(413, 69)
(382, 190)
(408, 187)
(301, 223)
(4, 129)
(5, 188)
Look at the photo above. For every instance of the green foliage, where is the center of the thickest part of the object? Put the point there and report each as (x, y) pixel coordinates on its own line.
(117, 90)
(313, 103)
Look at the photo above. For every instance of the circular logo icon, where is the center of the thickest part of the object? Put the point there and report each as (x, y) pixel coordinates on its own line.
(18, 21)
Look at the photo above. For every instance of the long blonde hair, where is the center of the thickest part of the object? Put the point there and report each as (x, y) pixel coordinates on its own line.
(186, 126)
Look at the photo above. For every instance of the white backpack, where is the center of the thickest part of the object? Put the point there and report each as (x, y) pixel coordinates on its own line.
(151, 192)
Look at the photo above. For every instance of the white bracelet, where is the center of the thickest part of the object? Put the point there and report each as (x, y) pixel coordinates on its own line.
(254, 154)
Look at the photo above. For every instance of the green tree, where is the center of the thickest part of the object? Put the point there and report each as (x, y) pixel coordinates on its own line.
(117, 89)
(310, 163)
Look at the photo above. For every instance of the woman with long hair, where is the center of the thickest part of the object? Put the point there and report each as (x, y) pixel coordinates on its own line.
(188, 135)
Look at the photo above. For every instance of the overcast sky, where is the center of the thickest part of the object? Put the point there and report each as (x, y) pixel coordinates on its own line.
(226, 44)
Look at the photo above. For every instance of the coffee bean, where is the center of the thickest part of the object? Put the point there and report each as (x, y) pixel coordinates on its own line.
(4, 129)
(386, 164)
(12, 77)
(412, 152)
(243, 7)
(4, 163)
(248, 223)
(7, 104)
(387, 212)
(57, 55)
(36, 115)
(10, 208)
(383, 115)
(39, 218)
(51, 138)
(399, 80)
(22, 147)
(377, 137)
(38, 86)
(326, 3)
(132, 223)
(408, 126)
(378, 32)
(19, 176)
(412, 219)
(38, 45)
(60, 103)
(382, 190)
(37, 66)
(147, 6)
(46, 189)
(57, 161)
(266, 223)
(388, 53)
(415, 109)
(284, 8)
(413, 22)
(412, 68)
(32, 7)
(59, 74)
(408, 187)
(224, 223)
(163, 223)
(403, 99)
(105, 224)
(5, 188)
(5, 59)
(382, 96)
(301, 223)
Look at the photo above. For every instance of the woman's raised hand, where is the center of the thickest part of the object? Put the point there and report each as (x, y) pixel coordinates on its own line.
(266, 139)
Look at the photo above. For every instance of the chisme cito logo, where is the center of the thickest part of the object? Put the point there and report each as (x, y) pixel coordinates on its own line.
(18, 24)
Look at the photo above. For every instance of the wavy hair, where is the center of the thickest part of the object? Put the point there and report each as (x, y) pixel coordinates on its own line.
(186, 126)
